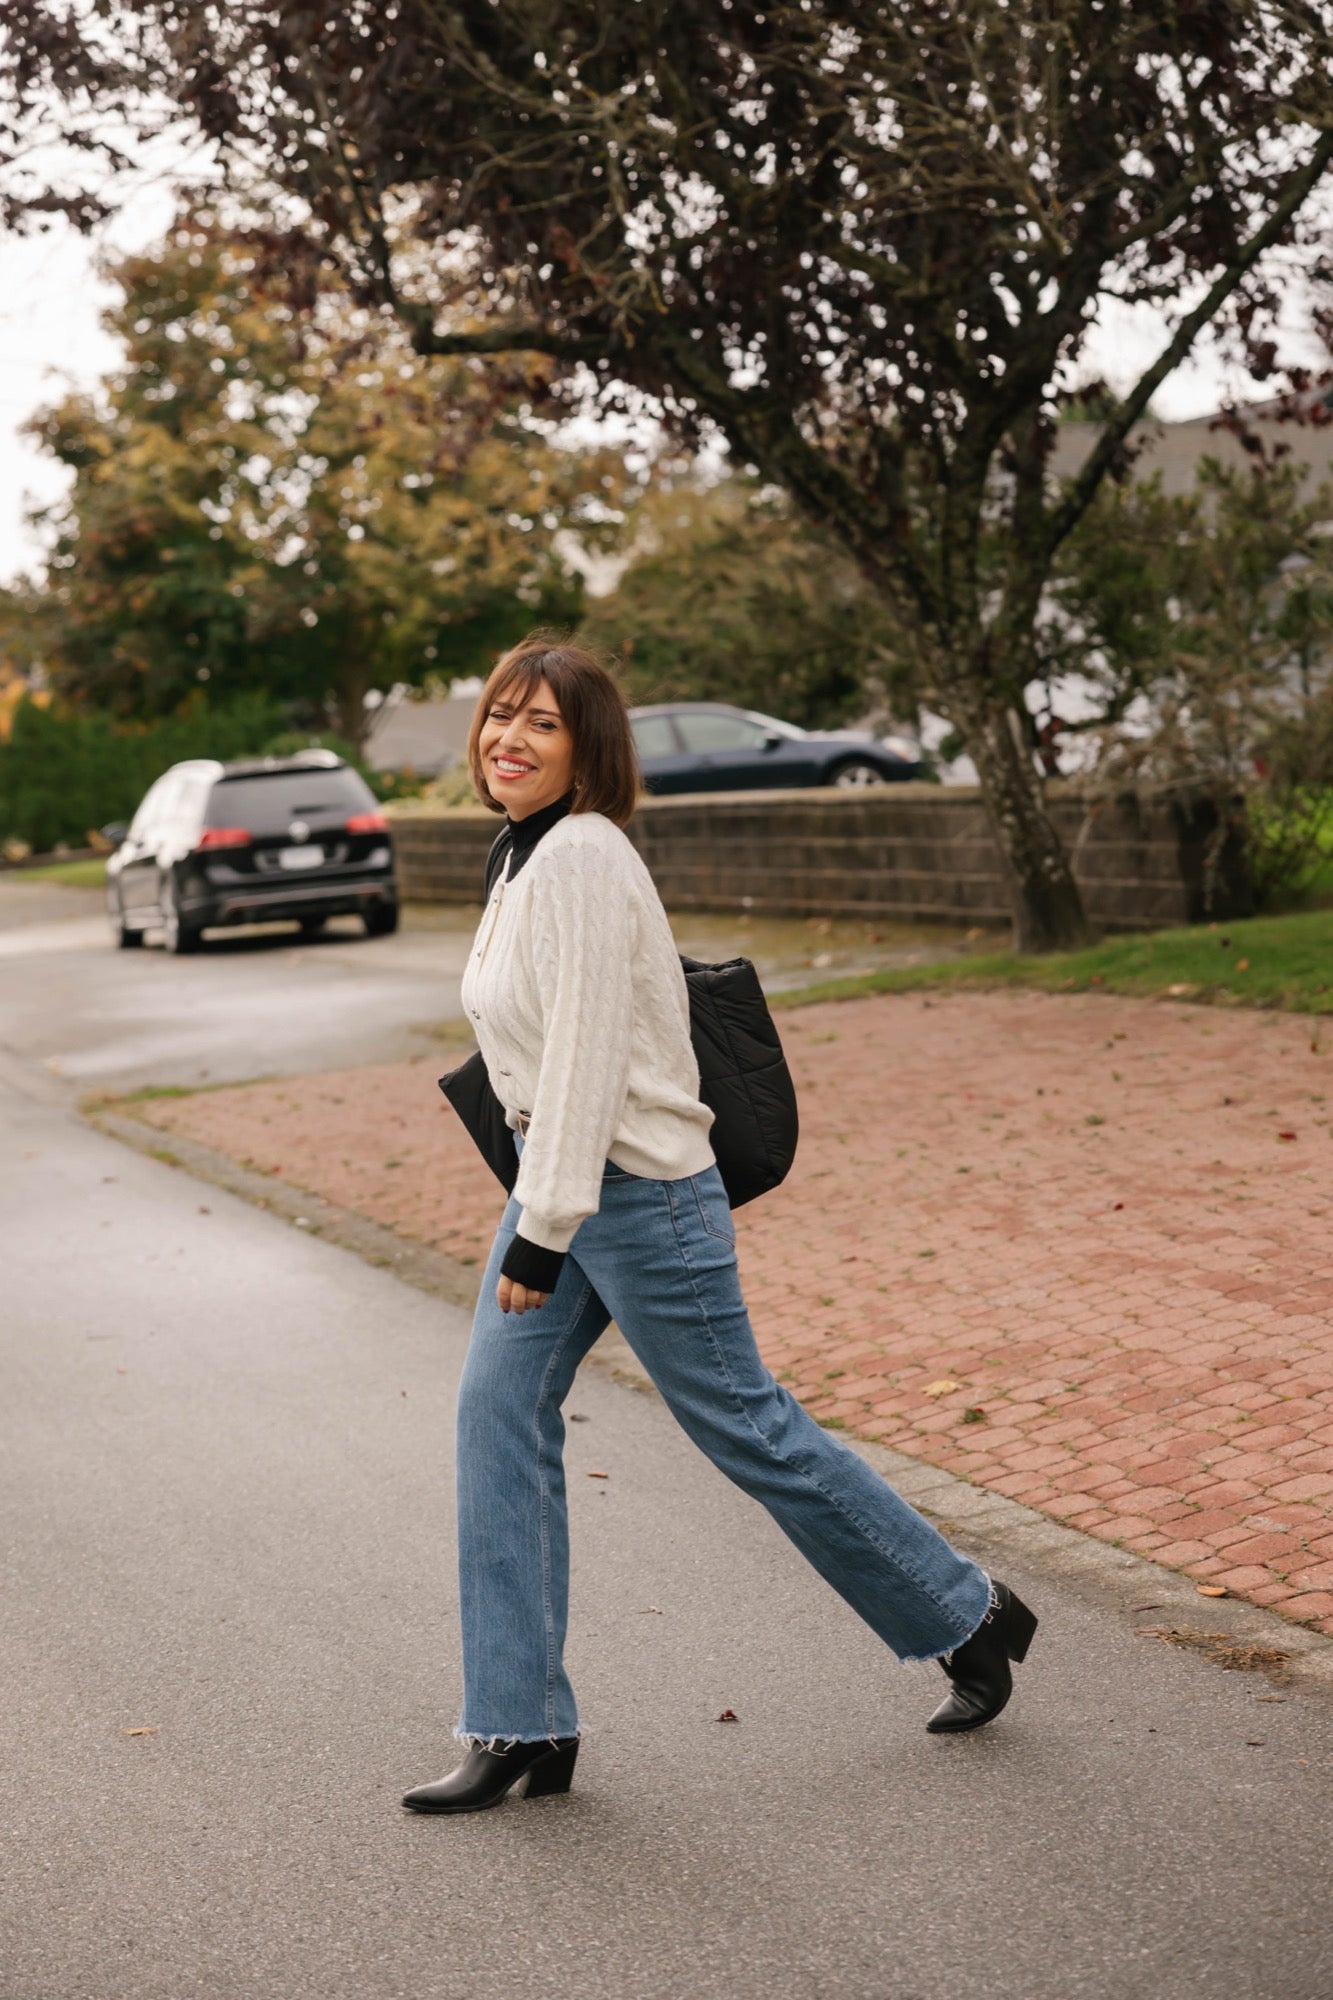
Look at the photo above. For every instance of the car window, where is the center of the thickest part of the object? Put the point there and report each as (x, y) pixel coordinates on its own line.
(771, 726)
(704, 730)
(184, 809)
(269, 803)
(160, 806)
(654, 736)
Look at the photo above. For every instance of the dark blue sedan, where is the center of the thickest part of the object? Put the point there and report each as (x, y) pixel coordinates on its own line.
(707, 746)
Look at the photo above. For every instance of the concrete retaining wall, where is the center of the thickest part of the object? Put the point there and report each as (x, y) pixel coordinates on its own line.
(920, 852)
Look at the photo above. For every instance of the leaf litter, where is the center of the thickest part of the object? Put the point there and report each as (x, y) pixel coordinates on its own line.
(1233, 1655)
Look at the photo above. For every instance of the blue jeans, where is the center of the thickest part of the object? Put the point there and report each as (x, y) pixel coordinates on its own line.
(659, 1258)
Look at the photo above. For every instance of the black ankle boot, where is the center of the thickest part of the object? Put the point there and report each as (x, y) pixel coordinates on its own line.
(979, 1668)
(485, 1776)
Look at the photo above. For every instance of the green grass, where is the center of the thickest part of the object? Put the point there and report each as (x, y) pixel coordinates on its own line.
(1262, 962)
(75, 874)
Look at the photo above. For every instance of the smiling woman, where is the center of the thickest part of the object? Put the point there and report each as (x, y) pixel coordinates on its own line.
(550, 721)
(618, 1210)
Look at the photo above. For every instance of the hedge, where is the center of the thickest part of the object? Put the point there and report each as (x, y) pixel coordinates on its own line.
(62, 775)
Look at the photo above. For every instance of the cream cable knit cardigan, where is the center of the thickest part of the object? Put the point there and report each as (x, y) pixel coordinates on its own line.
(576, 994)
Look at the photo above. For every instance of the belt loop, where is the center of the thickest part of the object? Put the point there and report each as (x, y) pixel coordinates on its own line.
(524, 1120)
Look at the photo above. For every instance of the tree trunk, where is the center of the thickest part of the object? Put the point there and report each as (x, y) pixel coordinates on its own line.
(349, 699)
(1044, 897)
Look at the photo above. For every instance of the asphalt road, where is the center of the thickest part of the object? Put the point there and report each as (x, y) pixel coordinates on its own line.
(251, 1004)
(225, 1519)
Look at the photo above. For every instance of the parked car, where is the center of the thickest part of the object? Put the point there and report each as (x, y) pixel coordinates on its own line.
(299, 838)
(708, 746)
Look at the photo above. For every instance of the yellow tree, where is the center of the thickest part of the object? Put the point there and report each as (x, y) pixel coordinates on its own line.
(294, 501)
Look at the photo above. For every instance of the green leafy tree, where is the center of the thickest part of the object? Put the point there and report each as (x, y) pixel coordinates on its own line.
(731, 597)
(296, 504)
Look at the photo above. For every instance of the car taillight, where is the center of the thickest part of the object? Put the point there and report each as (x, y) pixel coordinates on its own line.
(373, 822)
(223, 836)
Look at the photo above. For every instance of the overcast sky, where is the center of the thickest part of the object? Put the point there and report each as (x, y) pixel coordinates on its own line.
(50, 338)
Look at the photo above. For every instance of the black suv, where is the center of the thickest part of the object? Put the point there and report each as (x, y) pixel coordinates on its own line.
(298, 837)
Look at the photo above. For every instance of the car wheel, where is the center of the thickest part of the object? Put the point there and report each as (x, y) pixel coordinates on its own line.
(125, 938)
(381, 919)
(857, 773)
(179, 937)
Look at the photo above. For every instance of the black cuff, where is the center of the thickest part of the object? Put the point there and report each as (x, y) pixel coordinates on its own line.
(532, 1265)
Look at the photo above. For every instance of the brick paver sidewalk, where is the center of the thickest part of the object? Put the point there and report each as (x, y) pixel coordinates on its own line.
(1075, 1248)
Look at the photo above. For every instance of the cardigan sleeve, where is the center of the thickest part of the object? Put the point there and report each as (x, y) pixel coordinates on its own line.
(582, 945)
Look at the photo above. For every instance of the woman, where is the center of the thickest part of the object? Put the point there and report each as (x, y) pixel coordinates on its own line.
(578, 1002)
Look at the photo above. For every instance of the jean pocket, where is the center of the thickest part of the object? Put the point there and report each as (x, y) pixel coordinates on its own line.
(714, 1209)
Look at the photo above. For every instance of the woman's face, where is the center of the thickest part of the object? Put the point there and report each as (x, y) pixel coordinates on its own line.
(527, 752)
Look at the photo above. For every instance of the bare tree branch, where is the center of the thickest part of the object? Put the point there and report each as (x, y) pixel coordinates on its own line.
(1103, 455)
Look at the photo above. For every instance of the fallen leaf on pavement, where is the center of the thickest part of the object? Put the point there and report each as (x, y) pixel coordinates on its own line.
(977, 1416)
(940, 1388)
(599, 1475)
(146, 1730)
(656, 1610)
(1286, 1135)
(1212, 1590)
(728, 1715)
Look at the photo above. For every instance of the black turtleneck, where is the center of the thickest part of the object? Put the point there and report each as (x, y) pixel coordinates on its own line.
(518, 837)
(526, 1263)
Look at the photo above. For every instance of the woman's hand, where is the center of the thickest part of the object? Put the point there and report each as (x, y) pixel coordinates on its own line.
(517, 1298)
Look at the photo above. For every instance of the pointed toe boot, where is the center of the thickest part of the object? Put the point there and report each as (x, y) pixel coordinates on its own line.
(485, 1777)
(979, 1669)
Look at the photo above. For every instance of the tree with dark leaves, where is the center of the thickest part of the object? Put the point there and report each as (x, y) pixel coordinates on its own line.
(864, 240)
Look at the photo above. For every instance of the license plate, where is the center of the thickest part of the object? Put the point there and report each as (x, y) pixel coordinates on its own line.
(300, 857)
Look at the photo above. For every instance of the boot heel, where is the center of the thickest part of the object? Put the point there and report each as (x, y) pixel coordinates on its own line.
(554, 1772)
(1020, 1626)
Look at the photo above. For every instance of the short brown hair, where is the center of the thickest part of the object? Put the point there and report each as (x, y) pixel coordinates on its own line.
(606, 770)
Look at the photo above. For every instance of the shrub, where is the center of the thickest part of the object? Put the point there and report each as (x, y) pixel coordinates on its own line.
(63, 774)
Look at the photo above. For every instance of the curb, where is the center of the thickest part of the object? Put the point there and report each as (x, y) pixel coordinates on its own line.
(988, 1523)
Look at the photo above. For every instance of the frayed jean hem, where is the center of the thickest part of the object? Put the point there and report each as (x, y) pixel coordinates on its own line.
(474, 1741)
(944, 1652)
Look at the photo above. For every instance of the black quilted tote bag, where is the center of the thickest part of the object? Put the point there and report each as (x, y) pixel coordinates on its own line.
(468, 1089)
(743, 1079)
